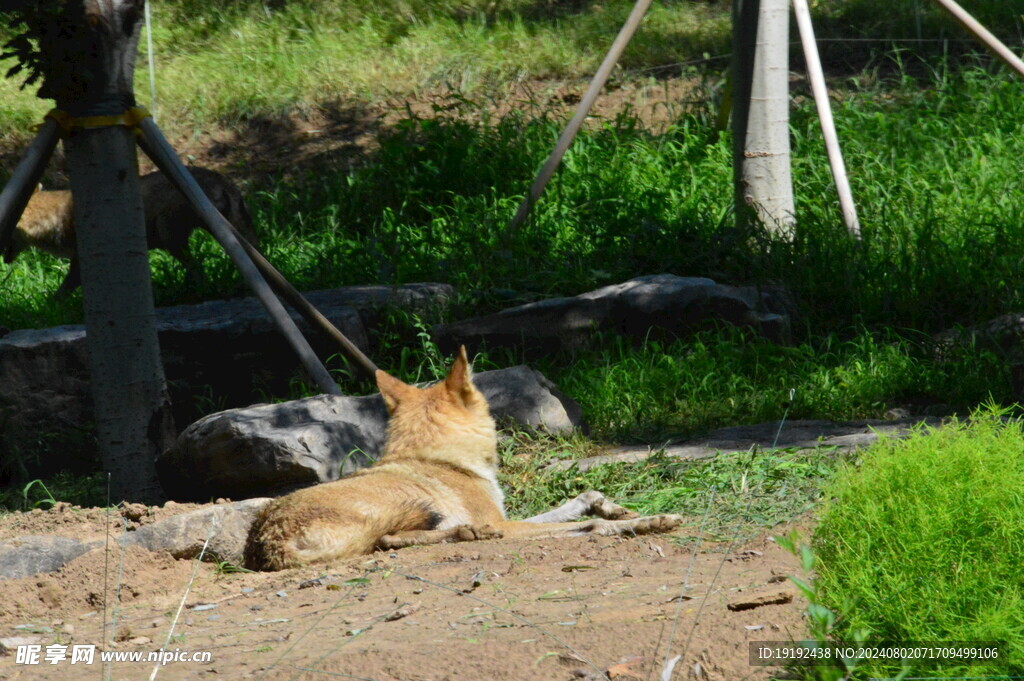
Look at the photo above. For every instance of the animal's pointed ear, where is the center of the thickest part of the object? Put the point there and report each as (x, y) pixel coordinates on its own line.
(459, 381)
(391, 389)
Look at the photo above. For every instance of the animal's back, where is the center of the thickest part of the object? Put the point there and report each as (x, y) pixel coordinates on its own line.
(170, 218)
(46, 224)
(338, 519)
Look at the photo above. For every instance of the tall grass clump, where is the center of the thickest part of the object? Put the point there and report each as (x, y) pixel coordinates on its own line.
(922, 540)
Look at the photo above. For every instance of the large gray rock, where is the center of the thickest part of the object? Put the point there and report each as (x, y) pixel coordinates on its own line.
(27, 556)
(183, 535)
(45, 407)
(664, 303)
(268, 449)
(1003, 336)
(225, 350)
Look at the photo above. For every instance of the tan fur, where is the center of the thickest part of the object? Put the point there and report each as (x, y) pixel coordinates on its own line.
(48, 225)
(436, 480)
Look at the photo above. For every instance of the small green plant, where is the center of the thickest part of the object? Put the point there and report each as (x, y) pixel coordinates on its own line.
(47, 500)
(81, 490)
(228, 568)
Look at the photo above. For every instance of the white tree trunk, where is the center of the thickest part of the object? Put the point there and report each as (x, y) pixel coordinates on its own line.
(129, 393)
(764, 186)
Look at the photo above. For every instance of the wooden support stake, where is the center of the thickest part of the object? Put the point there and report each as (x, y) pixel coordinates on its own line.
(313, 317)
(160, 150)
(983, 34)
(24, 180)
(582, 109)
(828, 126)
(291, 295)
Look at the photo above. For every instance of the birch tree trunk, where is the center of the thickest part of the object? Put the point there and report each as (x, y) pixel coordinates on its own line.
(132, 407)
(763, 186)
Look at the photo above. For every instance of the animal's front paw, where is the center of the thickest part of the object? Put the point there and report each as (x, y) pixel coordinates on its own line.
(476, 532)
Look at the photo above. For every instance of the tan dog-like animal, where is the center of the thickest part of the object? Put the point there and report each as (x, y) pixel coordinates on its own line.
(435, 481)
(47, 222)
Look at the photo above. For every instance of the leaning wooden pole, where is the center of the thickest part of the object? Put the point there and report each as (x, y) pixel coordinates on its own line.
(164, 155)
(282, 286)
(313, 316)
(828, 126)
(582, 110)
(24, 180)
(983, 34)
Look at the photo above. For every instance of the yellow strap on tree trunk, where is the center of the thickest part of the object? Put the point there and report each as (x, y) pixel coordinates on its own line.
(130, 118)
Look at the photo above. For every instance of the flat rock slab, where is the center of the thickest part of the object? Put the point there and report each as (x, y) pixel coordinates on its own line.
(272, 448)
(226, 526)
(31, 555)
(665, 303)
(184, 535)
(226, 349)
(806, 434)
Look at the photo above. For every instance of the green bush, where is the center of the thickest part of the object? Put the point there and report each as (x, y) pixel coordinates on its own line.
(923, 539)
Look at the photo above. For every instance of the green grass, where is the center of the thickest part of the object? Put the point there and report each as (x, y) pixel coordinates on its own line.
(933, 173)
(233, 61)
(663, 390)
(230, 61)
(921, 540)
(751, 491)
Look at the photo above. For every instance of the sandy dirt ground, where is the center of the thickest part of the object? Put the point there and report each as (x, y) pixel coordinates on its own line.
(491, 610)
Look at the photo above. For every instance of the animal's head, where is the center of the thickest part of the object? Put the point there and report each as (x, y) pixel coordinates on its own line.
(449, 420)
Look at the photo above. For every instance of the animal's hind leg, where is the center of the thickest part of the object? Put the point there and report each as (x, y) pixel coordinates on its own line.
(194, 274)
(532, 530)
(72, 280)
(400, 540)
(590, 503)
(606, 528)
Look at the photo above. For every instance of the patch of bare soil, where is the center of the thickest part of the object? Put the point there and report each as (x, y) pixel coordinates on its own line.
(86, 524)
(329, 138)
(489, 610)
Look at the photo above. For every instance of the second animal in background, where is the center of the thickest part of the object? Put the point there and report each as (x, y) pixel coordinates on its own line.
(48, 224)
